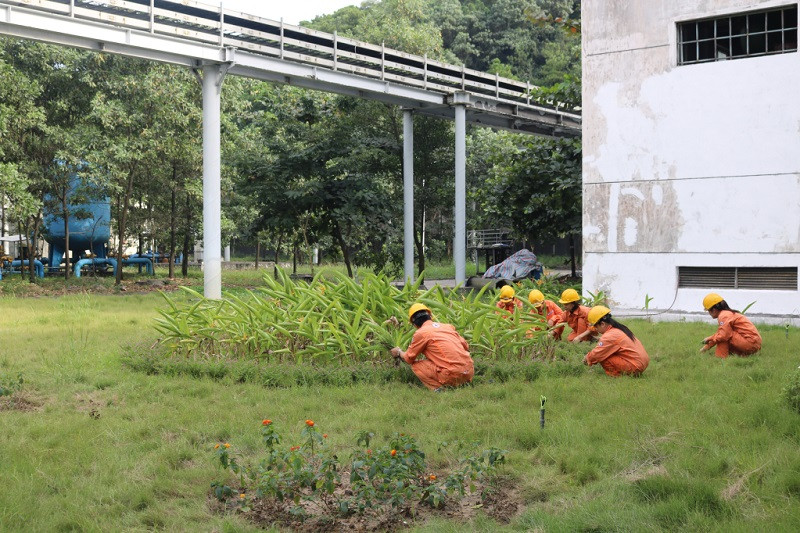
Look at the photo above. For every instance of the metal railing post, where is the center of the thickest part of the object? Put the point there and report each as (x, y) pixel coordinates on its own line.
(152, 15)
(221, 25)
(335, 47)
(281, 41)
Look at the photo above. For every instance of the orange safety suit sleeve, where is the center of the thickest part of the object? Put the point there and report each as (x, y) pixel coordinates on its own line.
(418, 343)
(554, 313)
(606, 347)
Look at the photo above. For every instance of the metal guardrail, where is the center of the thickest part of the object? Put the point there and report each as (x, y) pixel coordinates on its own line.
(215, 25)
(485, 238)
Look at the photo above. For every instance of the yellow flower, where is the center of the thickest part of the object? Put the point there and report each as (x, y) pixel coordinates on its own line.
(241, 496)
(227, 445)
(216, 446)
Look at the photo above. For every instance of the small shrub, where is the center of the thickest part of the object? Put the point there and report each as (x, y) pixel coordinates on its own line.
(11, 385)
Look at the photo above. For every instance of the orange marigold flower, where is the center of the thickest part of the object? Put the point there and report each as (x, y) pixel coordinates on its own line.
(216, 446)
(394, 452)
(432, 477)
(324, 435)
(369, 452)
(227, 445)
(266, 422)
(294, 448)
(241, 496)
(310, 423)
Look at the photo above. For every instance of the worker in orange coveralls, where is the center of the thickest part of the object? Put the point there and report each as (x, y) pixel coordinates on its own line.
(508, 301)
(548, 310)
(736, 334)
(574, 316)
(447, 361)
(618, 351)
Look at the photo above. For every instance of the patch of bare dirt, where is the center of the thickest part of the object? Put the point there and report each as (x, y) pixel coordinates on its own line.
(20, 401)
(499, 499)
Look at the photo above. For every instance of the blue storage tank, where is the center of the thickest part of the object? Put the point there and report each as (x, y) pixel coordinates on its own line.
(90, 234)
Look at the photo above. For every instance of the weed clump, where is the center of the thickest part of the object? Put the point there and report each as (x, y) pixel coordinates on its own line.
(791, 392)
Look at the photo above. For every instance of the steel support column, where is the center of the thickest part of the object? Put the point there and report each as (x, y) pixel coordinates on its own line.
(212, 226)
(460, 212)
(408, 196)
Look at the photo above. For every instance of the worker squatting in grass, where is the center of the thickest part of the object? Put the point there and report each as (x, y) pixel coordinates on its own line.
(447, 361)
(735, 334)
(618, 351)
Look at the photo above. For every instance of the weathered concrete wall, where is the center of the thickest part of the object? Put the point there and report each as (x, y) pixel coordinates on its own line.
(694, 165)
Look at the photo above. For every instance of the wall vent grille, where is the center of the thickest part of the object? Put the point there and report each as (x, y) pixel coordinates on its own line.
(759, 278)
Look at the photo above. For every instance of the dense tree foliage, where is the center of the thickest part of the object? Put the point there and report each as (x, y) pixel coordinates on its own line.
(300, 168)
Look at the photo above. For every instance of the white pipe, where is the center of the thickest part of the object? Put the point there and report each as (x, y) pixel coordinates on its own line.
(408, 196)
(212, 226)
(460, 240)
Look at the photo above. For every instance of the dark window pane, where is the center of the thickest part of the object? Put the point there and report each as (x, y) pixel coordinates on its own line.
(723, 48)
(756, 22)
(758, 44)
(723, 27)
(707, 51)
(790, 18)
(688, 32)
(790, 40)
(705, 29)
(775, 41)
(738, 46)
(774, 20)
(689, 53)
(739, 25)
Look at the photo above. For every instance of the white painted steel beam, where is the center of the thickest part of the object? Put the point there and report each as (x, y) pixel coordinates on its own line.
(408, 196)
(460, 211)
(212, 204)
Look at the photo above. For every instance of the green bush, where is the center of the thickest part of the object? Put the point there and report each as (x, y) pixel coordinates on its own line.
(791, 392)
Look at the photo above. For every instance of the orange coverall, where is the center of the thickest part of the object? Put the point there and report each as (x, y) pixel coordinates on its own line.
(509, 306)
(736, 334)
(447, 360)
(618, 354)
(578, 322)
(551, 313)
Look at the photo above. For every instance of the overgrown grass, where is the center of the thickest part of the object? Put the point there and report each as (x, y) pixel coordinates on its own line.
(696, 443)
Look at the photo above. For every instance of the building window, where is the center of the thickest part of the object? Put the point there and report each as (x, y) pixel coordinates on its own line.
(758, 33)
(758, 278)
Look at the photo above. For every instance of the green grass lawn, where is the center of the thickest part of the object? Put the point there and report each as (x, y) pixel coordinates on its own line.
(697, 443)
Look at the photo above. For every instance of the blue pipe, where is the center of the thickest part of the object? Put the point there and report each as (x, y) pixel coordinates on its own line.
(36, 264)
(82, 262)
(139, 261)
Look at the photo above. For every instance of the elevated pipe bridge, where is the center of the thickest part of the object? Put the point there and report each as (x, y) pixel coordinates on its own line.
(219, 41)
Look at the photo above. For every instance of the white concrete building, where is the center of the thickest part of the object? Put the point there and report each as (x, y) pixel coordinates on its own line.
(691, 140)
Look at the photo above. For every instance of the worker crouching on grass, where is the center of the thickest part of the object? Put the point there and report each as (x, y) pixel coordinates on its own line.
(447, 361)
(575, 316)
(736, 334)
(508, 301)
(618, 351)
(548, 310)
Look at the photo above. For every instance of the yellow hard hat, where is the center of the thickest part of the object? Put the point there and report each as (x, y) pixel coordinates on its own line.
(416, 308)
(596, 313)
(711, 300)
(569, 296)
(535, 296)
(507, 292)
